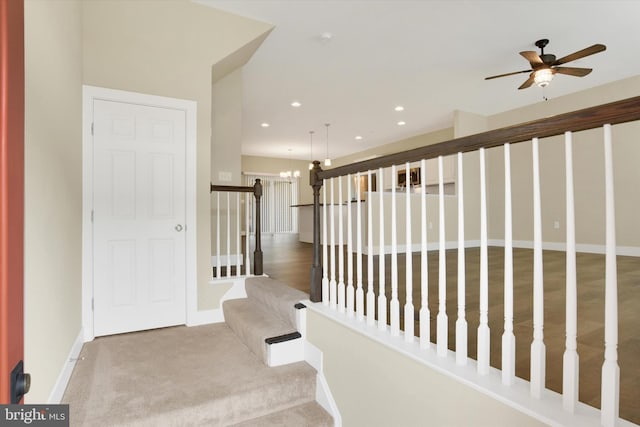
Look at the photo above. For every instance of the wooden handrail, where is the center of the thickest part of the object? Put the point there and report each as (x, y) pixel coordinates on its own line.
(623, 111)
(231, 189)
(617, 112)
(256, 189)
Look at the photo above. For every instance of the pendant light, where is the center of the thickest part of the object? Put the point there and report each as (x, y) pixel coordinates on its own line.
(290, 173)
(311, 149)
(327, 160)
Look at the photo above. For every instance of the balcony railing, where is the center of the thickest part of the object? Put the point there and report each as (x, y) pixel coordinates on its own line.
(227, 220)
(353, 232)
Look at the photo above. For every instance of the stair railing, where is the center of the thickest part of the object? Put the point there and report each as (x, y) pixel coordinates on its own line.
(330, 288)
(231, 234)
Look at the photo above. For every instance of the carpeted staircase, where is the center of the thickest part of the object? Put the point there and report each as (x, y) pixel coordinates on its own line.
(268, 322)
(200, 376)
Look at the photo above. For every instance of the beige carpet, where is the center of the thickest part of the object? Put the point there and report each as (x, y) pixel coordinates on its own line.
(181, 377)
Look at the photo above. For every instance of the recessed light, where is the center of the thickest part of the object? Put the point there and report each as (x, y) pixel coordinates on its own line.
(401, 123)
(399, 108)
(326, 37)
(358, 137)
(265, 124)
(295, 104)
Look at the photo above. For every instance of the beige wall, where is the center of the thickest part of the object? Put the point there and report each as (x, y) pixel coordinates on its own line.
(588, 173)
(226, 126)
(53, 189)
(165, 48)
(226, 139)
(376, 386)
(168, 48)
(397, 146)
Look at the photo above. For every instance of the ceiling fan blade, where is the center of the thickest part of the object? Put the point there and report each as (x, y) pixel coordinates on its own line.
(572, 71)
(533, 58)
(596, 48)
(528, 83)
(507, 74)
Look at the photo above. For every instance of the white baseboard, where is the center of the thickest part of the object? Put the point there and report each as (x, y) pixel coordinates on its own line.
(205, 317)
(522, 244)
(324, 397)
(417, 247)
(216, 315)
(67, 368)
(562, 246)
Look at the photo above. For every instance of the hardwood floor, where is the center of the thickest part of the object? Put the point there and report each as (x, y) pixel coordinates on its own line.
(289, 261)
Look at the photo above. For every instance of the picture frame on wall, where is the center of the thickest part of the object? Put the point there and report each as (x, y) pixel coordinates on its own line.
(414, 177)
(363, 184)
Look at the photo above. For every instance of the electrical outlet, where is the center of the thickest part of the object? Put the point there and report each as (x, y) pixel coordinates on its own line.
(556, 225)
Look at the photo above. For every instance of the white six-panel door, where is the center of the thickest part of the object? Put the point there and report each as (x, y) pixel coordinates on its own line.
(138, 217)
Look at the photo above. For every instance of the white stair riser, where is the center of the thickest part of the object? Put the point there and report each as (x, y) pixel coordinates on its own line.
(285, 352)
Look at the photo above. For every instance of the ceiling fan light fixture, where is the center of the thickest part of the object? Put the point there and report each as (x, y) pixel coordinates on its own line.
(543, 77)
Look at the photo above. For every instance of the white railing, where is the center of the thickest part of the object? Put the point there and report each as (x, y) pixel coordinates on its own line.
(418, 229)
(235, 211)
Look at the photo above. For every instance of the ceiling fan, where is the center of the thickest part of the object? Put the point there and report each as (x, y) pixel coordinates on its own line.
(545, 65)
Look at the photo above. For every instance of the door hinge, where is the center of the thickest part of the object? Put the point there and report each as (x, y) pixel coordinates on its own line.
(91, 128)
(91, 304)
(91, 216)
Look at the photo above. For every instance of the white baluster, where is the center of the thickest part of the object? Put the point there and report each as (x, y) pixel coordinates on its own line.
(408, 306)
(508, 338)
(247, 210)
(228, 273)
(394, 306)
(425, 321)
(483, 329)
(442, 325)
(371, 296)
(238, 244)
(359, 290)
(570, 365)
(341, 290)
(610, 391)
(382, 297)
(218, 254)
(325, 251)
(350, 289)
(461, 323)
(333, 300)
(538, 350)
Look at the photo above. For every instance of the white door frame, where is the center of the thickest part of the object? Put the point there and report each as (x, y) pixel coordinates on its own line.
(89, 94)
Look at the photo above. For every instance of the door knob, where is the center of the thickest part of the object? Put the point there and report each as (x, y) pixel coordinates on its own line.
(178, 227)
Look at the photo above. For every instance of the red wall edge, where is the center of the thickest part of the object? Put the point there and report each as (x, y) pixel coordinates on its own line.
(11, 190)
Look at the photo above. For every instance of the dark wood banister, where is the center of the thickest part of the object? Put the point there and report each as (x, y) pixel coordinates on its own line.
(623, 111)
(617, 112)
(256, 189)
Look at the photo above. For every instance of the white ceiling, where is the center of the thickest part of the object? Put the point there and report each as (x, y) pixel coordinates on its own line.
(429, 56)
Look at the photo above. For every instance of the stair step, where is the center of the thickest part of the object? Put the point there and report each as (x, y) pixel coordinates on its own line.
(307, 414)
(200, 376)
(253, 324)
(275, 296)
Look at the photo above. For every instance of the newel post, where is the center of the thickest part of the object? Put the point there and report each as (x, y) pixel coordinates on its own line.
(257, 254)
(316, 270)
